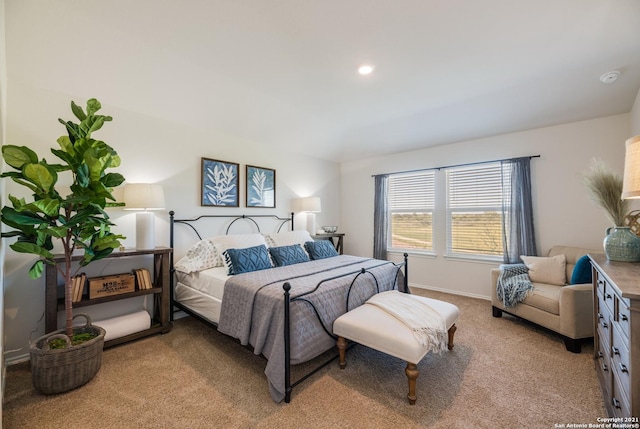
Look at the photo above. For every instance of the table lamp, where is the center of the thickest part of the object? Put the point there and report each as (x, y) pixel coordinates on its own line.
(144, 197)
(311, 206)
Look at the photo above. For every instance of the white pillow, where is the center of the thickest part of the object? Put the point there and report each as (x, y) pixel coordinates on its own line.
(287, 238)
(550, 270)
(201, 256)
(237, 241)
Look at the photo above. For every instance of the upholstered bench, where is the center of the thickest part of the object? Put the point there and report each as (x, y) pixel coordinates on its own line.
(376, 328)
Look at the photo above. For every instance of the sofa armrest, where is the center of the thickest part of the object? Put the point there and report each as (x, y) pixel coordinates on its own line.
(495, 272)
(576, 310)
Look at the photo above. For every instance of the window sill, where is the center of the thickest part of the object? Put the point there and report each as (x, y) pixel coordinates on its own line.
(476, 259)
(413, 253)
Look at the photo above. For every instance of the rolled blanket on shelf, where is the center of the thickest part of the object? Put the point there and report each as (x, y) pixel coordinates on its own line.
(514, 284)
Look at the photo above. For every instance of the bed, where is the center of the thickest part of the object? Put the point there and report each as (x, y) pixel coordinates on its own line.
(283, 307)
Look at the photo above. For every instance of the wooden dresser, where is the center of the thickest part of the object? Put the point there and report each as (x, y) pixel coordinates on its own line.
(616, 287)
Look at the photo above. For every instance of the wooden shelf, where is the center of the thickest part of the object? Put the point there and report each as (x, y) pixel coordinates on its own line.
(160, 322)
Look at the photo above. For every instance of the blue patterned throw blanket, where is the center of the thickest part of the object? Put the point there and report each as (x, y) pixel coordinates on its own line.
(513, 284)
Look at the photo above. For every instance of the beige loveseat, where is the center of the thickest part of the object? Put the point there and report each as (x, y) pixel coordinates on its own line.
(567, 310)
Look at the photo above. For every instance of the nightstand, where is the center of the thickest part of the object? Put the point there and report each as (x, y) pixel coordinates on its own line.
(338, 242)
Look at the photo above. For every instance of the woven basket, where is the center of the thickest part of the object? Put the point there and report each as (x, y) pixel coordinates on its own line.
(61, 370)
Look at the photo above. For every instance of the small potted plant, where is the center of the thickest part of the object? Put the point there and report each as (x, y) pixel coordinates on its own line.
(620, 244)
(76, 221)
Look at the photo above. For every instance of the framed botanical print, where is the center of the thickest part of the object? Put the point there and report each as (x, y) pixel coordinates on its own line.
(261, 187)
(220, 183)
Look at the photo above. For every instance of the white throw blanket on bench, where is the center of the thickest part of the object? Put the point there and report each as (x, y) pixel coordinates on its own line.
(428, 327)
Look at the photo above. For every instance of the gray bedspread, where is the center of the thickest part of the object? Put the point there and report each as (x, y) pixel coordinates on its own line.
(253, 307)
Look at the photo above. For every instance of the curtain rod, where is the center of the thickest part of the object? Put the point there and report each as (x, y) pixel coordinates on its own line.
(454, 165)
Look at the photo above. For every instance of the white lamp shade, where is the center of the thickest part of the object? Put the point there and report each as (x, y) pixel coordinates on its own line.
(631, 181)
(310, 205)
(143, 196)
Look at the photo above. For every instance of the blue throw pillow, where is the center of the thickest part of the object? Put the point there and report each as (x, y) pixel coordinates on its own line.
(288, 255)
(320, 249)
(246, 260)
(582, 271)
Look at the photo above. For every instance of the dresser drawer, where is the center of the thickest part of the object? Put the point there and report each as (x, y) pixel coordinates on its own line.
(609, 297)
(603, 321)
(603, 366)
(600, 286)
(620, 360)
(623, 317)
(619, 401)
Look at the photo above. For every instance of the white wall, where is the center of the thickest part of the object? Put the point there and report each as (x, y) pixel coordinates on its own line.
(635, 117)
(562, 209)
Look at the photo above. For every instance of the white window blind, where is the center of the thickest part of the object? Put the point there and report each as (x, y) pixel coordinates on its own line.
(474, 209)
(411, 201)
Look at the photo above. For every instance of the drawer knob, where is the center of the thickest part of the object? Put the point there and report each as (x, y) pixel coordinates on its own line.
(624, 317)
(616, 403)
(605, 367)
(604, 325)
(623, 368)
(608, 296)
(600, 355)
(616, 351)
(600, 316)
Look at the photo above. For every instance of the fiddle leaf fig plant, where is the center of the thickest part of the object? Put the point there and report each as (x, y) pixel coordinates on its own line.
(77, 220)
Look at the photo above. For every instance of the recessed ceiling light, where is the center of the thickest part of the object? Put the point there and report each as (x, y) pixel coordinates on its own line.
(365, 69)
(610, 77)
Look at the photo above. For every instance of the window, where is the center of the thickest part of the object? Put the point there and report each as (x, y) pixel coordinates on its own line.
(474, 209)
(411, 202)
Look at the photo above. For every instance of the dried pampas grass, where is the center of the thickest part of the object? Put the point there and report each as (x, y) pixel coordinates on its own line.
(606, 191)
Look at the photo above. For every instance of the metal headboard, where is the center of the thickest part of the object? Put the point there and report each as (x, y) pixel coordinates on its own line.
(251, 218)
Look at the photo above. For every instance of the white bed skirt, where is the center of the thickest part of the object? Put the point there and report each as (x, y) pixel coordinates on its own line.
(203, 304)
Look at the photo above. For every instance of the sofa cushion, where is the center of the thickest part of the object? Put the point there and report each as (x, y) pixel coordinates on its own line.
(572, 254)
(582, 271)
(545, 297)
(551, 270)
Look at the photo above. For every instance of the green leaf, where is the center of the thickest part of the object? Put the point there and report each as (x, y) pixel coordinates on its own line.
(96, 125)
(93, 106)
(66, 157)
(18, 218)
(41, 176)
(72, 129)
(18, 156)
(34, 249)
(37, 269)
(77, 111)
(111, 180)
(82, 175)
(48, 206)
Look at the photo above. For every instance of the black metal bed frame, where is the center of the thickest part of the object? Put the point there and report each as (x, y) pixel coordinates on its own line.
(286, 287)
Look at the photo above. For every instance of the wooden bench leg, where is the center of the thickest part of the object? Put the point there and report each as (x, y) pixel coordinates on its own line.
(412, 374)
(342, 348)
(451, 331)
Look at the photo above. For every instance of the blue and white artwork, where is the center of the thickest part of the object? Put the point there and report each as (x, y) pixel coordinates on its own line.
(219, 183)
(261, 187)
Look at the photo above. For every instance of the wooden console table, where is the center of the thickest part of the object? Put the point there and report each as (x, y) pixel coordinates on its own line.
(159, 319)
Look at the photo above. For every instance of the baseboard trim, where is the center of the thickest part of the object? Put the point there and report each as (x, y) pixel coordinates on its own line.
(16, 359)
(451, 291)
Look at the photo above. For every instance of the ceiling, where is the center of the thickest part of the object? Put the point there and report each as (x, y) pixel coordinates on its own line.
(284, 72)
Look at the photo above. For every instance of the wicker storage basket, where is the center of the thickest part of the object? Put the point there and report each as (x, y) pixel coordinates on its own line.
(61, 370)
